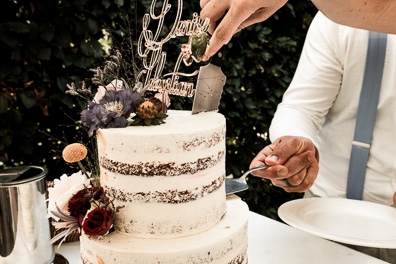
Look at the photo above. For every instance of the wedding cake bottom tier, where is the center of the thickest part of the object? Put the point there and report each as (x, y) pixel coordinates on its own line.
(225, 243)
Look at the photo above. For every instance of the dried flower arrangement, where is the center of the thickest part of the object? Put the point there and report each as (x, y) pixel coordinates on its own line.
(113, 104)
(74, 204)
(119, 101)
(77, 202)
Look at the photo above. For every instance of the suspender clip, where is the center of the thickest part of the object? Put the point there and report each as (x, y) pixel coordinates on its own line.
(361, 144)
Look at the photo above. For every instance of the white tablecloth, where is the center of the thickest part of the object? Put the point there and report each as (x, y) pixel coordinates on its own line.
(274, 242)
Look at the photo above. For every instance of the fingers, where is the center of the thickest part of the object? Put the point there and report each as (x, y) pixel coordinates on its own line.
(292, 159)
(203, 3)
(214, 9)
(300, 182)
(297, 164)
(260, 157)
(260, 15)
(236, 14)
(277, 171)
(240, 14)
(286, 147)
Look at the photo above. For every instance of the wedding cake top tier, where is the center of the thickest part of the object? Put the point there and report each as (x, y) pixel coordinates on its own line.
(168, 178)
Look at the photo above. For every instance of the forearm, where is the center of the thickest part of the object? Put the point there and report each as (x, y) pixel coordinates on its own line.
(374, 15)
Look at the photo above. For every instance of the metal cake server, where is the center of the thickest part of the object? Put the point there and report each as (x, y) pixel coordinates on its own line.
(240, 184)
(210, 83)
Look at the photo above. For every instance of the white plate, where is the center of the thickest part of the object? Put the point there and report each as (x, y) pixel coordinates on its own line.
(347, 221)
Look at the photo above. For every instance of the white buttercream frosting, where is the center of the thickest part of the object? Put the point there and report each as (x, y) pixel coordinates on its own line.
(225, 243)
(169, 178)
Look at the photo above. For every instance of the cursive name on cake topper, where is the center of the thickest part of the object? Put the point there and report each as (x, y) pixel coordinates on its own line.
(150, 50)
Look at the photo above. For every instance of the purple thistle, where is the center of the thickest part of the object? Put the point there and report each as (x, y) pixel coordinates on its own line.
(114, 109)
(127, 98)
(93, 117)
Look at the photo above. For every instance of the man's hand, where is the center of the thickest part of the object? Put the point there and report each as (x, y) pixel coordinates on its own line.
(374, 15)
(240, 14)
(293, 161)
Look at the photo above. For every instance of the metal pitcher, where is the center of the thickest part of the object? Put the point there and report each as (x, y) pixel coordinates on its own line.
(24, 229)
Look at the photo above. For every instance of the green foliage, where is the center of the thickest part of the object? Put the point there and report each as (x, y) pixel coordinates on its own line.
(47, 44)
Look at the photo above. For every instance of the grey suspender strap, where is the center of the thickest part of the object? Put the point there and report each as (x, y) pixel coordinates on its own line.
(367, 111)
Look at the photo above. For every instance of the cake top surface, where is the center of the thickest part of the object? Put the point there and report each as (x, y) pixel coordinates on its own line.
(177, 122)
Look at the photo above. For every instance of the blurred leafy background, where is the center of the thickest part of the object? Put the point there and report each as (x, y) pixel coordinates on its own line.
(46, 44)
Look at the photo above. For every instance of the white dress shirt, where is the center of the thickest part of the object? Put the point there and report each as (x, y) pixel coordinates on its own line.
(321, 104)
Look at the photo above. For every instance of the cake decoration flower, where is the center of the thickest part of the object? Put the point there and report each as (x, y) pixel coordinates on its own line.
(68, 223)
(80, 203)
(74, 204)
(98, 222)
(75, 152)
(114, 85)
(64, 188)
(150, 112)
(164, 99)
(113, 110)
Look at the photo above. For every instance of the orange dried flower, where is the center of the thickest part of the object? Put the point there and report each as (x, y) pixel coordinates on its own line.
(74, 152)
(147, 110)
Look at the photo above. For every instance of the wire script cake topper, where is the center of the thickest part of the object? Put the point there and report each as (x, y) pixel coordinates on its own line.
(154, 58)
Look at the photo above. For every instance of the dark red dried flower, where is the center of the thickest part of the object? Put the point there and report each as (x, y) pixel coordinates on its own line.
(98, 222)
(158, 103)
(80, 203)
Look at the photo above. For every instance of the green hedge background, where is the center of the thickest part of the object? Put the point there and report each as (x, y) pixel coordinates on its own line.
(46, 44)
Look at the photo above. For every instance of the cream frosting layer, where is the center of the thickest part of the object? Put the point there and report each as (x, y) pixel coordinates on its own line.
(171, 220)
(225, 243)
(183, 138)
(169, 178)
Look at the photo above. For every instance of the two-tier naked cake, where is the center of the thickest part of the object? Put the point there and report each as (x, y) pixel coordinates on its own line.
(170, 180)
